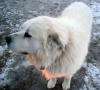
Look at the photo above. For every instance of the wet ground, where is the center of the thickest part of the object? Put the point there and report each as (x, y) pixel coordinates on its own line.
(14, 75)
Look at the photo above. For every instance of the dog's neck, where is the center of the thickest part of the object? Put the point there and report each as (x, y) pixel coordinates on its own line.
(58, 60)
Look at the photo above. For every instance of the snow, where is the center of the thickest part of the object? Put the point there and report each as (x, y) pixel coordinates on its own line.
(96, 34)
(96, 11)
(84, 88)
(10, 61)
(94, 72)
(3, 76)
(97, 21)
(92, 76)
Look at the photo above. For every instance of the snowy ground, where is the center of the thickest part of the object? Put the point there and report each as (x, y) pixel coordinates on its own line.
(15, 12)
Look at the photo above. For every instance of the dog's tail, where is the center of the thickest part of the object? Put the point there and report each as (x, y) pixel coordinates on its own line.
(78, 11)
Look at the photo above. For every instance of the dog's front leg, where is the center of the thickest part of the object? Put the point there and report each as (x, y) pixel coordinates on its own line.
(66, 83)
(51, 83)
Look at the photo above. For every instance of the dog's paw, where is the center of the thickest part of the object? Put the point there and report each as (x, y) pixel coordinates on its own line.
(51, 83)
(65, 86)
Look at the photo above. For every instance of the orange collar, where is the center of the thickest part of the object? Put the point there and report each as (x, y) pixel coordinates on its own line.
(47, 74)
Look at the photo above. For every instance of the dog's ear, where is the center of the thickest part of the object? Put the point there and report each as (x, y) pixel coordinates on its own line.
(54, 38)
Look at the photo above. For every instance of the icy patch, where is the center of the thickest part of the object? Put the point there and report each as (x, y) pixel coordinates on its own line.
(92, 77)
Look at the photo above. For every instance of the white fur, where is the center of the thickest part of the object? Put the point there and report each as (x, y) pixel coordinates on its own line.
(74, 30)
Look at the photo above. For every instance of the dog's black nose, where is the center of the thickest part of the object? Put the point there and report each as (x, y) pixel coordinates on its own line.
(8, 39)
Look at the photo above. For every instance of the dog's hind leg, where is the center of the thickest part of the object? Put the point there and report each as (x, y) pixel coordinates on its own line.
(51, 83)
(66, 83)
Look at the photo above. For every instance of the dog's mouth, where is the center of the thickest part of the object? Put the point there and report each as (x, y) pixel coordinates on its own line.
(25, 53)
(19, 52)
(31, 60)
(42, 68)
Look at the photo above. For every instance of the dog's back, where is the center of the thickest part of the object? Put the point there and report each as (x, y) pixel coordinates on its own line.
(78, 18)
(80, 12)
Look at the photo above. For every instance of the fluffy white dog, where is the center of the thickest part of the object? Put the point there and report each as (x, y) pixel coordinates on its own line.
(60, 44)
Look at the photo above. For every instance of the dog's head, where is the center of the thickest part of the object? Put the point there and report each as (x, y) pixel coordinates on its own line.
(38, 38)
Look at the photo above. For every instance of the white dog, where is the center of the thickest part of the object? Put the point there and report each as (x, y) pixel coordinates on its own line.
(60, 44)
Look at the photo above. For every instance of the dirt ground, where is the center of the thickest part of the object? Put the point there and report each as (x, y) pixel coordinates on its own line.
(15, 76)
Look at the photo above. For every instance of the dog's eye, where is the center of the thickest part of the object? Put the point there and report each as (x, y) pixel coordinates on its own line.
(27, 35)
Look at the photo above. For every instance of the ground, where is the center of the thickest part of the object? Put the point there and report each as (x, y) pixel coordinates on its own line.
(12, 14)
